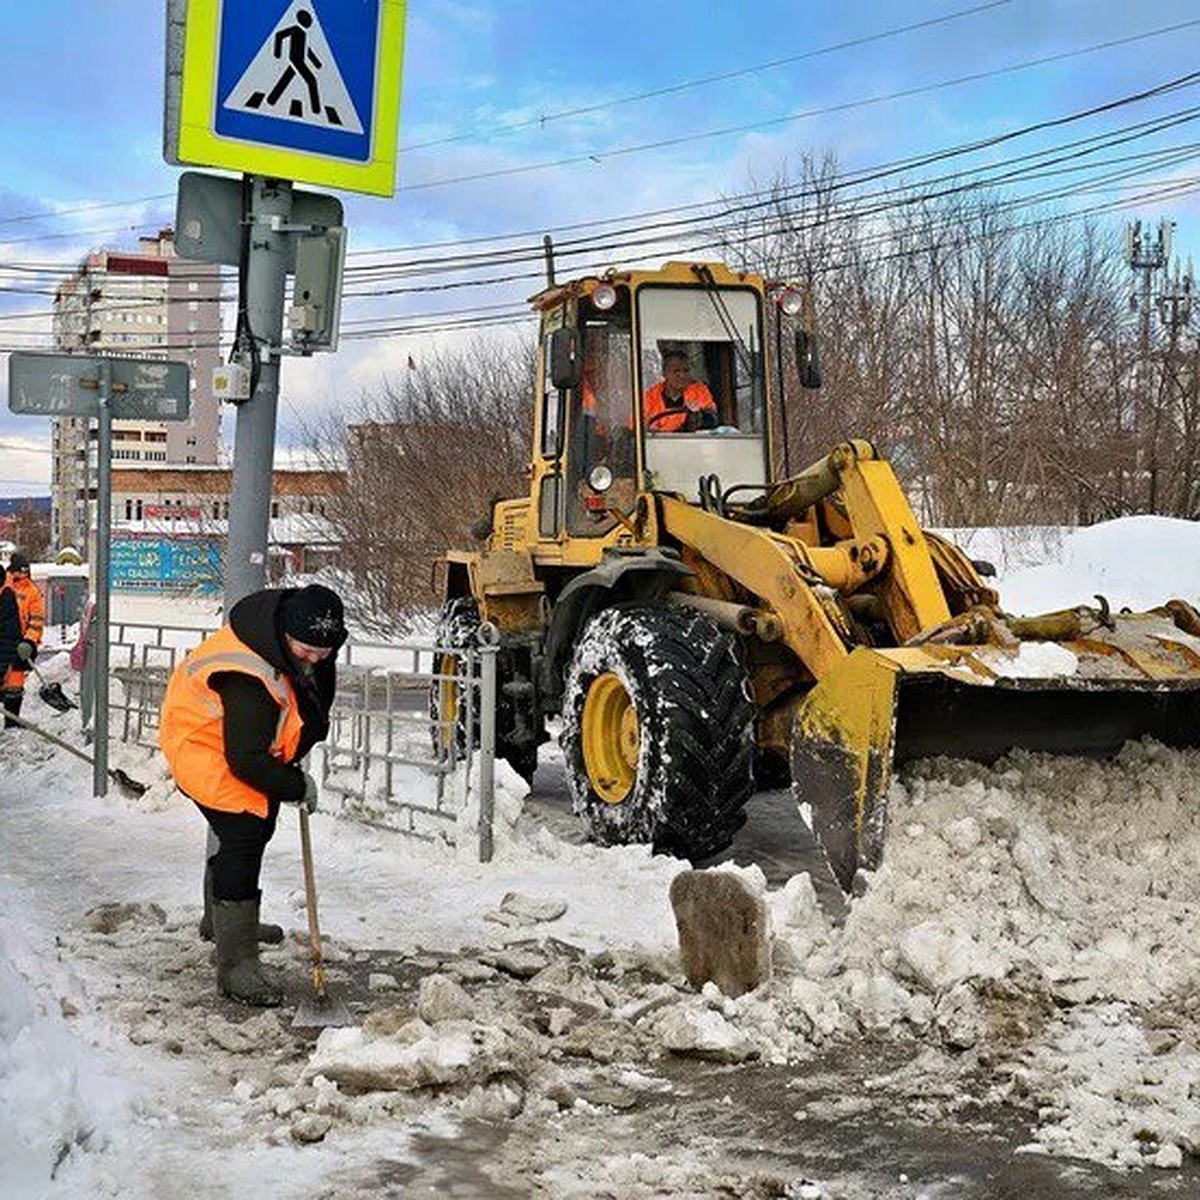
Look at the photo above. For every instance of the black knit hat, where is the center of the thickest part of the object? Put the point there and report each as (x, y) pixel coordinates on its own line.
(314, 615)
(18, 561)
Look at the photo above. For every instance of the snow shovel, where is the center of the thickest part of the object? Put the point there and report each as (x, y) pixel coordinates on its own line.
(127, 784)
(52, 693)
(320, 1010)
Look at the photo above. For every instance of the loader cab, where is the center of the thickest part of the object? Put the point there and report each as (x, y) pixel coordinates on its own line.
(604, 349)
(715, 334)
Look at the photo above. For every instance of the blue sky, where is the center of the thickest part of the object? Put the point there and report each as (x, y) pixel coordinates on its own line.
(525, 116)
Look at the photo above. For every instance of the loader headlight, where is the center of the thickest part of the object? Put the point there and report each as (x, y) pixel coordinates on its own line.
(600, 478)
(604, 296)
(791, 300)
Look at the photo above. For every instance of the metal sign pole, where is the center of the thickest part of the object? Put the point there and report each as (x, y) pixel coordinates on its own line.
(103, 540)
(268, 251)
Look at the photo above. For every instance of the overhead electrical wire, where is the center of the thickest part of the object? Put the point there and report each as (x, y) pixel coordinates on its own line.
(598, 156)
(621, 151)
(544, 119)
(740, 205)
(908, 194)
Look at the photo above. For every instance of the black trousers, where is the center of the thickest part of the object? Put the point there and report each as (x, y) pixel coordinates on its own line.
(11, 699)
(243, 837)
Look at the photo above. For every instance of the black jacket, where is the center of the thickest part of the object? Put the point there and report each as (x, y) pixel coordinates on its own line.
(251, 716)
(10, 625)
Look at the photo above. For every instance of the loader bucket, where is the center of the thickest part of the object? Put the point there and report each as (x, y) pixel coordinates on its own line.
(883, 708)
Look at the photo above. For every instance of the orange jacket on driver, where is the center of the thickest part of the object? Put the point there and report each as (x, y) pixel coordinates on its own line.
(696, 398)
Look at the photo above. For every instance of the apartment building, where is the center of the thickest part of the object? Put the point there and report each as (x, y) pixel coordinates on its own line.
(142, 304)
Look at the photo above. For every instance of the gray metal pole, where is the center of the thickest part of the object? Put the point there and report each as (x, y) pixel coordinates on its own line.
(103, 540)
(254, 448)
(487, 750)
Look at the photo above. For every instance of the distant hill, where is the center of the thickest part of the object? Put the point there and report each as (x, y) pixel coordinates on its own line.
(11, 506)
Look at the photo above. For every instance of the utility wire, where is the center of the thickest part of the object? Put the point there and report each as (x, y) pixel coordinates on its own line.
(598, 156)
(705, 80)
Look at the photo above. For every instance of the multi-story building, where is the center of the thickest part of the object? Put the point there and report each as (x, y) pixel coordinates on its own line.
(144, 304)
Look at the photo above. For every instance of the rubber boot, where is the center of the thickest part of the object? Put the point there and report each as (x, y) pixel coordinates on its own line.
(271, 935)
(239, 973)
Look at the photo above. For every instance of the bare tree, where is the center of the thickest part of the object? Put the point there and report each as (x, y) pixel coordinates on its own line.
(989, 354)
(425, 456)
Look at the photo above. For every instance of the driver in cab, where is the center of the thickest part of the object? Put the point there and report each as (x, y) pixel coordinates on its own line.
(678, 403)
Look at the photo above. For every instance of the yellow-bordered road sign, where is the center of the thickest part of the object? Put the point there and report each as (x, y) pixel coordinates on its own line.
(294, 89)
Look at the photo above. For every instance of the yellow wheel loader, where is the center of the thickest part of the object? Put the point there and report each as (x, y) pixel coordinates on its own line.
(705, 621)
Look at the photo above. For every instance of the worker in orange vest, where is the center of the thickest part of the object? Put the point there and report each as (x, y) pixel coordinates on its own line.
(10, 623)
(240, 713)
(31, 607)
(678, 403)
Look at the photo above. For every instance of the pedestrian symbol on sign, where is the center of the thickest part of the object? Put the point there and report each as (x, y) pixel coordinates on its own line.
(294, 76)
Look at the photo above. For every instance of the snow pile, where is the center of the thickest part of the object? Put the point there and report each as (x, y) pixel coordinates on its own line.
(1135, 562)
(58, 1097)
(1018, 911)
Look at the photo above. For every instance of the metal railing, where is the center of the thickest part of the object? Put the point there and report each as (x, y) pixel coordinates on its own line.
(403, 715)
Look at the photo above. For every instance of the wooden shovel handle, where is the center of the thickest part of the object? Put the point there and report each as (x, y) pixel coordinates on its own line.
(310, 903)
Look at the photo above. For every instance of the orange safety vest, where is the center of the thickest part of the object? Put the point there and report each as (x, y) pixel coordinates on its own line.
(696, 398)
(31, 607)
(191, 733)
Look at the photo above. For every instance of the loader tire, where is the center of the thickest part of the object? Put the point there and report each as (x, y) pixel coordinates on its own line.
(657, 732)
(457, 628)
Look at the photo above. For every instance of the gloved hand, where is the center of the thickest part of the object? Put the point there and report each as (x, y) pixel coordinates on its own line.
(26, 650)
(309, 799)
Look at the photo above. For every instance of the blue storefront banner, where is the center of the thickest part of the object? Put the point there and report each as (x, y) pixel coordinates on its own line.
(154, 563)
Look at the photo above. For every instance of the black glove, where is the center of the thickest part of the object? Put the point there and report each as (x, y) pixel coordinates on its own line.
(26, 650)
(310, 798)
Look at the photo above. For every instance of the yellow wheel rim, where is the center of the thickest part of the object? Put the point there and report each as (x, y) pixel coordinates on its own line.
(447, 709)
(610, 739)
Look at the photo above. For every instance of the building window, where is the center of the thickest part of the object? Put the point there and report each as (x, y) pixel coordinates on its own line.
(139, 510)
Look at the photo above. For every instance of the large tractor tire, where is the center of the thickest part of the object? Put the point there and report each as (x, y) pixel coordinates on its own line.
(458, 628)
(658, 731)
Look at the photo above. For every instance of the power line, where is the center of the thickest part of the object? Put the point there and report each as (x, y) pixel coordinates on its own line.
(706, 80)
(1037, 166)
(623, 151)
(598, 156)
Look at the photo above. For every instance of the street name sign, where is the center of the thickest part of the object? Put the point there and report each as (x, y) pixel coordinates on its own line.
(303, 90)
(69, 385)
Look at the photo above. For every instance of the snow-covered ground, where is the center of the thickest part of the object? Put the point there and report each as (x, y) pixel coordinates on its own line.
(1032, 938)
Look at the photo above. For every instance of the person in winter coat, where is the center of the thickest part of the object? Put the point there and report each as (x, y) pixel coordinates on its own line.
(32, 607)
(10, 626)
(240, 713)
(677, 402)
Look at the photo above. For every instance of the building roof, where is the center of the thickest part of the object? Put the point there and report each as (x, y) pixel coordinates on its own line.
(197, 480)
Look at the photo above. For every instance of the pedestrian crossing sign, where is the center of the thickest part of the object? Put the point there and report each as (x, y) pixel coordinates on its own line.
(305, 90)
